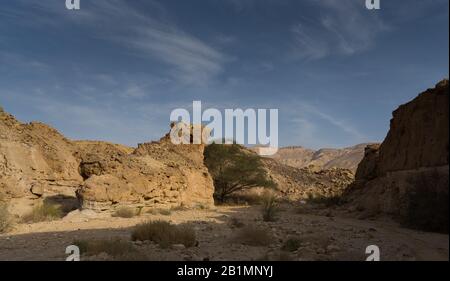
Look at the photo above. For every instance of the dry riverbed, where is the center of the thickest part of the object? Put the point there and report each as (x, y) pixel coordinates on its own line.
(230, 233)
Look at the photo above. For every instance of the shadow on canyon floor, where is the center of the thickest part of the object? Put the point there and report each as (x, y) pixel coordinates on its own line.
(219, 234)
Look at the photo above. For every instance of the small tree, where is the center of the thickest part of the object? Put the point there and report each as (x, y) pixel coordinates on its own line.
(233, 169)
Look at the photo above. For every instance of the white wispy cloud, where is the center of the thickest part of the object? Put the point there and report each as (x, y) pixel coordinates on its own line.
(338, 123)
(193, 61)
(8, 59)
(306, 126)
(343, 27)
(154, 36)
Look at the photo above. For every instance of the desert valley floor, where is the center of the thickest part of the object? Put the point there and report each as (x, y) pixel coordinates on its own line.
(324, 234)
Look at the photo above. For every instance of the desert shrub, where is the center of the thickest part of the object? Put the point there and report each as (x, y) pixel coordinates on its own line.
(233, 170)
(164, 233)
(44, 212)
(116, 248)
(66, 203)
(5, 218)
(328, 201)
(202, 206)
(254, 236)
(427, 209)
(270, 207)
(164, 212)
(124, 212)
(251, 198)
(237, 223)
(291, 244)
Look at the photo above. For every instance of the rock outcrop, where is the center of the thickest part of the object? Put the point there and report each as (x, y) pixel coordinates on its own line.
(37, 162)
(407, 175)
(156, 174)
(305, 183)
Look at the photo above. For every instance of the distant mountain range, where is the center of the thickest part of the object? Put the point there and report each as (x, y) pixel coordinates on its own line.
(325, 158)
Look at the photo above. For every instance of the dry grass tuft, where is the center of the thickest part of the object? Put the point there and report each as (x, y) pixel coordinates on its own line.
(270, 207)
(291, 244)
(5, 218)
(115, 248)
(44, 212)
(254, 236)
(237, 223)
(124, 212)
(164, 233)
(164, 212)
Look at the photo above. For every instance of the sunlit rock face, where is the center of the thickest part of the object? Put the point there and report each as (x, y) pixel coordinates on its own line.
(37, 163)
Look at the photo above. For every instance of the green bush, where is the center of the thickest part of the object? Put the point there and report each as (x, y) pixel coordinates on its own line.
(164, 233)
(43, 212)
(234, 169)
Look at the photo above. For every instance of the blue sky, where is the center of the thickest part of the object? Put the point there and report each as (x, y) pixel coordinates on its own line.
(115, 69)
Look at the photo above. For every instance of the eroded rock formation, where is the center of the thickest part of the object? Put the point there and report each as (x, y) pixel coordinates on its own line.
(156, 174)
(303, 183)
(37, 162)
(407, 175)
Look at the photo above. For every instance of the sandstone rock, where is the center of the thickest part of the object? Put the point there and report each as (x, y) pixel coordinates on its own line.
(407, 176)
(36, 161)
(157, 174)
(367, 168)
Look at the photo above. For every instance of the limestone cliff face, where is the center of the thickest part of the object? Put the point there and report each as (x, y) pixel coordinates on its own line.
(157, 174)
(37, 162)
(407, 175)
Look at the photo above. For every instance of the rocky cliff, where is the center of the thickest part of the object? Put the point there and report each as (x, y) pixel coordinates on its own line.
(293, 184)
(305, 183)
(407, 175)
(35, 160)
(38, 163)
(156, 174)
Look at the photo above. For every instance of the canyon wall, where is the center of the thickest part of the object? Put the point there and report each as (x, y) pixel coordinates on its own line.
(407, 175)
